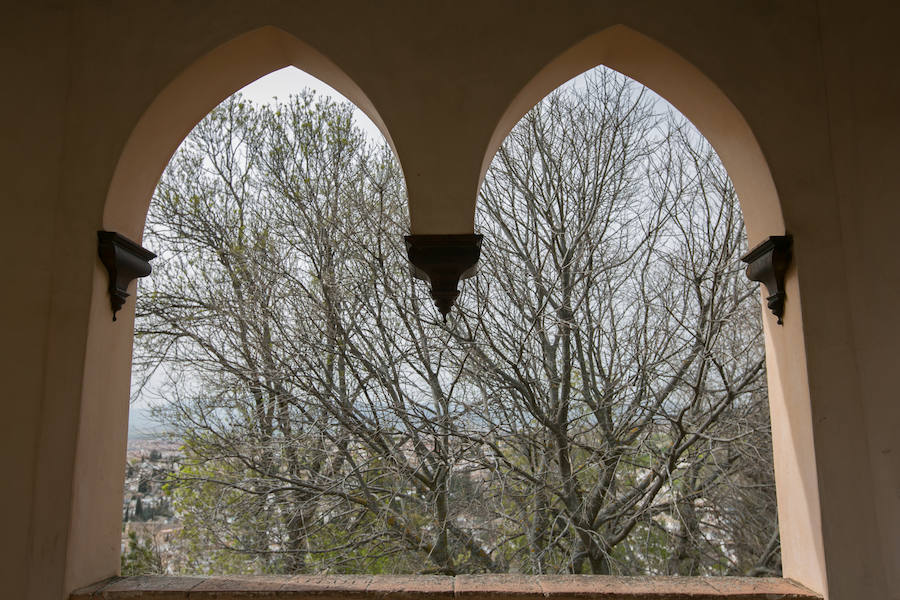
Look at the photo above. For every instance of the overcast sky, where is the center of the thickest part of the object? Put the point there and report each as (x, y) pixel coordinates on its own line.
(290, 80)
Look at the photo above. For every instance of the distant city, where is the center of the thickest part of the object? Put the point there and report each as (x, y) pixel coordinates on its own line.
(146, 509)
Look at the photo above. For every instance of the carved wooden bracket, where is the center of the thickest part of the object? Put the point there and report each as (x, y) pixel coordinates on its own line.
(124, 260)
(443, 260)
(767, 263)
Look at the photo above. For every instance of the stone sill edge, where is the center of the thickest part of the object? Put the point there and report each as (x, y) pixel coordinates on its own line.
(474, 587)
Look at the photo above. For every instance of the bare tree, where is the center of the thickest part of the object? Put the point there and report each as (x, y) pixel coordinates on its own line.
(313, 397)
(617, 346)
(598, 402)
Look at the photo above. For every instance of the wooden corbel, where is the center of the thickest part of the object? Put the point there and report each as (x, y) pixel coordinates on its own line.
(125, 261)
(443, 260)
(767, 263)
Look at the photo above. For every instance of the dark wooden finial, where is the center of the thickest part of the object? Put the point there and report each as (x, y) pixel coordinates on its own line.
(124, 260)
(443, 260)
(767, 263)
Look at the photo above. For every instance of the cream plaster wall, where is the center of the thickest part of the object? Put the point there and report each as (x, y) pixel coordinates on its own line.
(29, 154)
(800, 97)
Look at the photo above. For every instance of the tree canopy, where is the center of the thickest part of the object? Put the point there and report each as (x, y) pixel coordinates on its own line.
(595, 404)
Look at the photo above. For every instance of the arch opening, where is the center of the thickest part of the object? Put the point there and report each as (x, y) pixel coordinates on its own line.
(192, 95)
(131, 181)
(93, 543)
(262, 221)
(682, 85)
(614, 235)
(700, 100)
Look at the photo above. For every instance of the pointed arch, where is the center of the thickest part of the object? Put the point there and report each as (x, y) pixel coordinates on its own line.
(94, 536)
(192, 95)
(699, 99)
(685, 87)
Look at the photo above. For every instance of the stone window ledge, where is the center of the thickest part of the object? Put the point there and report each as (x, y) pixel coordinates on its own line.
(469, 587)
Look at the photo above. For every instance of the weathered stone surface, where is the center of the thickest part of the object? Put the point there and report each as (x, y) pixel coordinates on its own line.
(147, 587)
(582, 587)
(226, 588)
(572, 587)
(426, 587)
(411, 587)
(771, 588)
(89, 591)
(491, 587)
(326, 587)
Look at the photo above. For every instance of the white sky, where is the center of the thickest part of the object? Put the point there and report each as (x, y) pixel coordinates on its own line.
(291, 80)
